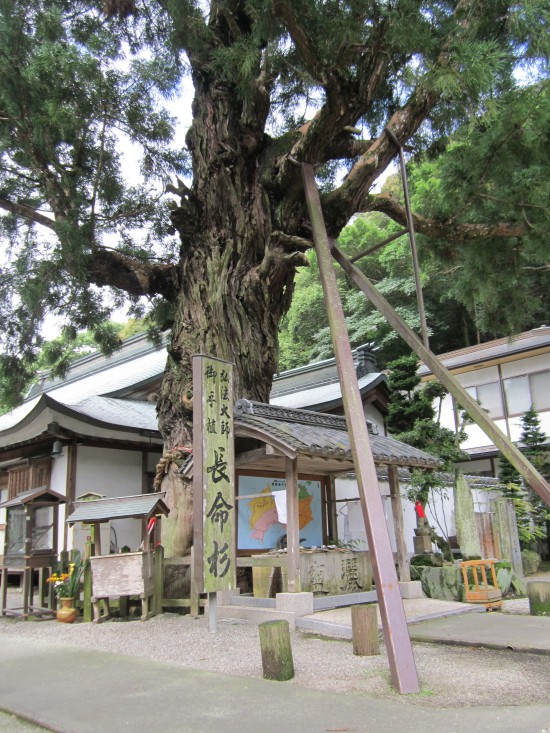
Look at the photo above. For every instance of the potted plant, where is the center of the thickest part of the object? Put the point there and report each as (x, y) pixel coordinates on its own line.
(67, 588)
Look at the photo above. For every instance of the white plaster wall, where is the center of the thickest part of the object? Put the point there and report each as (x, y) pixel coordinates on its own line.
(375, 416)
(440, 513)
(350, 517)
(58, 477)
(478, 376)
(478, 466)
(111, 473)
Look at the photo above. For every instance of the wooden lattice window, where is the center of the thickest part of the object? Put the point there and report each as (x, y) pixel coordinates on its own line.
(24, 478)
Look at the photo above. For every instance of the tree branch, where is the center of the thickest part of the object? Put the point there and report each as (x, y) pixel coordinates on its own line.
(303, 42)
(26, 212)
(450, 231)
(118, 270)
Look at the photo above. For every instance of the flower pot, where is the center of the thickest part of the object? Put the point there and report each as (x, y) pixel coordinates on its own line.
(67, 613)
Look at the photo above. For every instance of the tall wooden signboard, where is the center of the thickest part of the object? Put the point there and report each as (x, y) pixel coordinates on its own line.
(213, 478)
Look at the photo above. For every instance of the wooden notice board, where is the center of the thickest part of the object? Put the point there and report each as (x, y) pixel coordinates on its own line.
(213, 475)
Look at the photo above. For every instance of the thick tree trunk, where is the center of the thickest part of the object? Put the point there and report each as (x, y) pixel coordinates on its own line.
(235, 285)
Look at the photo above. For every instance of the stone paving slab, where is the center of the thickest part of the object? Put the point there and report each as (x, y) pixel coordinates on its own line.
(491, 630)
(337, 622)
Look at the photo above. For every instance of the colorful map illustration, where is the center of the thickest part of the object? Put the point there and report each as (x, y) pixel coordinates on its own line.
(259, 526)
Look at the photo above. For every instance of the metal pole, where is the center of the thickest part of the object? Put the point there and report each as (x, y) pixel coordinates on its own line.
(412, 239)
(539, 485)
(394, 623)
(378, 246)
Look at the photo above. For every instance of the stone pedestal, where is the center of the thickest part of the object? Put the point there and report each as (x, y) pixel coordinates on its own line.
(422, 544)
(411, 589)
(300, 604)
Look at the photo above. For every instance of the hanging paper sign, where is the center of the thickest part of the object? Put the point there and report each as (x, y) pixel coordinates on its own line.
(213, 475)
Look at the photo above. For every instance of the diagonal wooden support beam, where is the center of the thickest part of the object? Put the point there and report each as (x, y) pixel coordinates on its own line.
(532, 477)
(396, 636)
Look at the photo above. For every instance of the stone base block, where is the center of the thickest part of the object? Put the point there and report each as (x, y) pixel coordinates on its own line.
(422, 545)
(225, 596)
(300, 604)
(411, 589)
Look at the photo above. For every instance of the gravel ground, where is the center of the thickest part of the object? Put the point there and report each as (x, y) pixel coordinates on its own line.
(450, 676)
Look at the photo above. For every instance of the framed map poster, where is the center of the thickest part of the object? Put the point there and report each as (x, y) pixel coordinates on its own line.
(261, 524)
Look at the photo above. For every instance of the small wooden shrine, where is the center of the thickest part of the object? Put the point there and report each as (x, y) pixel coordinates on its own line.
(30, 544)
(127, 573)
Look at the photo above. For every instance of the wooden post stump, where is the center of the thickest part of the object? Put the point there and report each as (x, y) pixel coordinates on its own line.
(539, 597)
(276, 650)
(364, 630)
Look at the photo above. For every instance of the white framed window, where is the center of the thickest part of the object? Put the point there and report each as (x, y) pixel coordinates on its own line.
(489, 397)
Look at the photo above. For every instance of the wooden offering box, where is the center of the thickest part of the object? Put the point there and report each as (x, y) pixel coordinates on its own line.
(126, 574)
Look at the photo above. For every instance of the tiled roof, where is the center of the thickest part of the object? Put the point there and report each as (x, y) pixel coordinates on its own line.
(113, 376)
(122, 413)
(316, 434)
(42, 492)
(102, 371)
(322, 396)
(122, 507)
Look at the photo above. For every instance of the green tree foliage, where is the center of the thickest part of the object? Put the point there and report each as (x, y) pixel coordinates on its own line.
(494, 167)
(305, 335)
(413, 419)
(274, 81)
(56, 355)
(71, 99)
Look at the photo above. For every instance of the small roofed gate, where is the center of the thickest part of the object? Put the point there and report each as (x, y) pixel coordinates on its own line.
(123, 574)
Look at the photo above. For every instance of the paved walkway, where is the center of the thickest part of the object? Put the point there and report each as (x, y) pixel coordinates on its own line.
(489, 630)
(337, 622)
(69, 690)
(449, 623)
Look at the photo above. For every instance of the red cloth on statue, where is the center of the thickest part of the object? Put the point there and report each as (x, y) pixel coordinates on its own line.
(419, 509)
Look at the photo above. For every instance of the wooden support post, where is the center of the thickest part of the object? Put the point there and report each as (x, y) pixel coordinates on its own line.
(42, 587)
(87, 614)
(396, 635)
(27, 573)
(510, 451)
(194, 596)
(159, 579)
(277, 662)
(364, 630)
(4, 590)
(27, 594)
(397, 512)
(293, 525)
(97, 538)
(332, 513)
